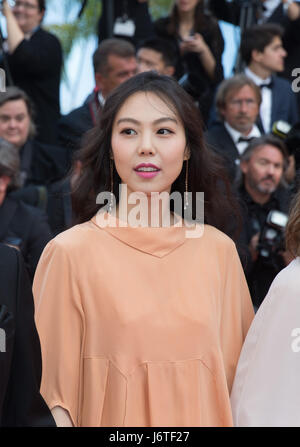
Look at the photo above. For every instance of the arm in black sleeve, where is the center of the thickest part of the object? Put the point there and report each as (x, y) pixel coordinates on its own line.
(24, 405)
(40, 55)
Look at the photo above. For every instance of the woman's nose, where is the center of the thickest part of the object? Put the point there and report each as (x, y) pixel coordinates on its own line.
(146, 146)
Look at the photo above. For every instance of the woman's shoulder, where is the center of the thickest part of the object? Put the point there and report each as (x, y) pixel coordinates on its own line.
(213, 235)
(161, 26)
(75, 236)
(212, 241)
(209, 24)
(43, 36)
(288, 279)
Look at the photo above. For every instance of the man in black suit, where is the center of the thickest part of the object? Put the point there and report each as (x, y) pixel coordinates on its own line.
(114, 62)
(21, 404)
(263, 53)
(237, 100)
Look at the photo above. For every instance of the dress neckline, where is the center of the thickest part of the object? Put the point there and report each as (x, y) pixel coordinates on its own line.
(156, 241)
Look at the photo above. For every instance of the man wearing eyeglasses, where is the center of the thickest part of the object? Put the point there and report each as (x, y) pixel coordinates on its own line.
(34, 59)
(237, 101)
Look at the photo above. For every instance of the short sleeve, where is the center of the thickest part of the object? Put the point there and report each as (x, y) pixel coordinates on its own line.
(60, 323)
(236, 314)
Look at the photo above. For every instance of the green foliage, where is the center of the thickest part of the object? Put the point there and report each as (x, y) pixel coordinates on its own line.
(160, 8)
(72, 31)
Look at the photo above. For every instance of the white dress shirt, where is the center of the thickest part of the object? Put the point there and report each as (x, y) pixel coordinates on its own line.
(236, 135)
(101, 99)
(266, 103)
(269, 8)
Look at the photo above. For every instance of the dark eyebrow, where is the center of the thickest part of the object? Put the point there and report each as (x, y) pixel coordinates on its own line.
(269, 161)
(158, 121)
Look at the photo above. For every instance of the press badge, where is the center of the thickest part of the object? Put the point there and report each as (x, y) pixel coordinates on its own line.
(124, 27)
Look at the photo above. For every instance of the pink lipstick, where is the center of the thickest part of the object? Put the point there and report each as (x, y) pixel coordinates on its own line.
(147, 170)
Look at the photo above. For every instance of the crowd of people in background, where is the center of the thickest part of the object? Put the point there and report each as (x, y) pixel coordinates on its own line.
(250, 126)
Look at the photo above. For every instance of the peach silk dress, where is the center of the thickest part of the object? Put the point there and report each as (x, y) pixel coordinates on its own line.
(141, 326)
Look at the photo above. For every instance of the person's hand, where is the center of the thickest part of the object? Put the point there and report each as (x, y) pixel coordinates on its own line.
(5, 8)
(194, 44)
(293, 9)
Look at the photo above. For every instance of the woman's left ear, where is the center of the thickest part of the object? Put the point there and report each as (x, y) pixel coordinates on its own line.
(187, 154)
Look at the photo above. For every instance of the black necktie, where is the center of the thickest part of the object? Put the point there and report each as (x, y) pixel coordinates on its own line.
(246, 140)
(266, 84)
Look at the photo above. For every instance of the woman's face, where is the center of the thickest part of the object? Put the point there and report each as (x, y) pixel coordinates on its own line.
(186, 5)
(15, 122)
(148, 144)
(28, 14)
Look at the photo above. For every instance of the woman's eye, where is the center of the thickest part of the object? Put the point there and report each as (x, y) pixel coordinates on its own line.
(164, 131)
(128, 132)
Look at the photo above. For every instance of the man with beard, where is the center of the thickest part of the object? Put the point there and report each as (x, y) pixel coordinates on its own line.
(261, 192)
(238, 100)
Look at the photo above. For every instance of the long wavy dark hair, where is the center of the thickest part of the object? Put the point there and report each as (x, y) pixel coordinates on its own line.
(205, 172)
(202, 21)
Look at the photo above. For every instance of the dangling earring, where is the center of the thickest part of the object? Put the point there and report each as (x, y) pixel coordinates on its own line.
(111, 165)
(186, 195)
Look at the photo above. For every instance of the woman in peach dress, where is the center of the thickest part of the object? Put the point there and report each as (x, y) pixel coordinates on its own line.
(141, 323)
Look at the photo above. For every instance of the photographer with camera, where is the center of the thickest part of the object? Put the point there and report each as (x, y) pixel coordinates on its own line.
(34, 59)
(265, 203)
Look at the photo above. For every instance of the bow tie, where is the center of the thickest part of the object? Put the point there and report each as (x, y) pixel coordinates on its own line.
(246, 140)
(266, 84)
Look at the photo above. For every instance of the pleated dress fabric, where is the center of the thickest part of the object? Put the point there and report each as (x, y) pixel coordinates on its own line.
(141, 326)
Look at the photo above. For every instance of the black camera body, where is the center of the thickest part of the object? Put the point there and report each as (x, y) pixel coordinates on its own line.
(271, 239)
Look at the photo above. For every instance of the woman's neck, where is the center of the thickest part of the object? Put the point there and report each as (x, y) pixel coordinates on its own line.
(186, 18)
(146, 211)
(186, 24)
